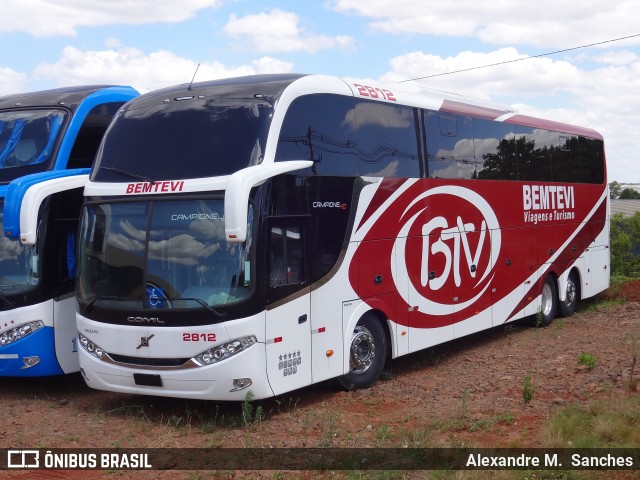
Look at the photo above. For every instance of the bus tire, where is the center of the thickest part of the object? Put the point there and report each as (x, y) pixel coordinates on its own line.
(548, 302)
(367, 354)
(571, 301)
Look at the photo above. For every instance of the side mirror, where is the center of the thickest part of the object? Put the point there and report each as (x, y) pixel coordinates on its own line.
(236, 197)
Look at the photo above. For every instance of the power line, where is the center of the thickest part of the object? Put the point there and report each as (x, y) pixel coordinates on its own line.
(520, 59)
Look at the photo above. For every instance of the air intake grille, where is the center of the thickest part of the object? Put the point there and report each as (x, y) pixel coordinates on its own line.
(149, 362)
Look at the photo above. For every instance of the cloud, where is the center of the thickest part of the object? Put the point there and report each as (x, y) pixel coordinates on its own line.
(603, 98)
(545, 23)
(42, 18)
(12, 81)
(278, 31)
(131, 66)
(537, 76)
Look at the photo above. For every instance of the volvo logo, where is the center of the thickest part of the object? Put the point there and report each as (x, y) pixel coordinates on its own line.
(144, 341)
(145, 320)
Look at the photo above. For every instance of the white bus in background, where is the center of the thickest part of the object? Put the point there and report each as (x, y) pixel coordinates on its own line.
(266, 233)
(48, 140)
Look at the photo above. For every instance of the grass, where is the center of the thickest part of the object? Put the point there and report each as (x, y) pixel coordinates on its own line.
(528, 390)
(588, 360)
(607, 423)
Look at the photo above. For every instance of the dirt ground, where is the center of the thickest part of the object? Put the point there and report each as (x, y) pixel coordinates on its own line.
(468, 392)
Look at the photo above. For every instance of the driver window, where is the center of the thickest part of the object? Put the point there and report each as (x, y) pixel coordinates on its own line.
(286, 258)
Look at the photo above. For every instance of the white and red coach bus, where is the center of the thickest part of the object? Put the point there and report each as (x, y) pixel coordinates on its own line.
(269, 232)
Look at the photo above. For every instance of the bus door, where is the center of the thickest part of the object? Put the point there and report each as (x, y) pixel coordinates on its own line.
(288, 326)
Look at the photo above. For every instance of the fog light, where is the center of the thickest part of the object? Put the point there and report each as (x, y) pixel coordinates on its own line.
(240, 384)
(28, 362)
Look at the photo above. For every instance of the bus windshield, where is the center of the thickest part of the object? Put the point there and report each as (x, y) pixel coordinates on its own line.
(190, 138)
(27, 137)
(161, 254)
(18, 264)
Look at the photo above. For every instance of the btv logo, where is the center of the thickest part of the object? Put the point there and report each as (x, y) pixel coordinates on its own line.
(23, 459)
(449, 243)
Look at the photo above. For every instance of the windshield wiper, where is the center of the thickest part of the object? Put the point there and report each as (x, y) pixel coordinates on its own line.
(110, 297)
(129, 174)
(217, 313)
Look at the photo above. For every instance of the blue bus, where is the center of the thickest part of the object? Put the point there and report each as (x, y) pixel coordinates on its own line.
(48, 141)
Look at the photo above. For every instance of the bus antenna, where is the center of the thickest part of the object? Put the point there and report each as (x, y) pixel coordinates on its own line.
(193, 78)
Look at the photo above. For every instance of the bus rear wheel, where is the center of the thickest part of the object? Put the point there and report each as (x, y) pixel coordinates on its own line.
(367, 354)
(549, 302)
(571, 301)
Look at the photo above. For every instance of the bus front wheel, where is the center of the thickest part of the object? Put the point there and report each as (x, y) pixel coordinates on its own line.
(367, 354)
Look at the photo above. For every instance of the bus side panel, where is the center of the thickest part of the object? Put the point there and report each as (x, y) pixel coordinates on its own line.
(66, 347)
(598, 275)
(326, 330)
(452, 278)
(288, 345)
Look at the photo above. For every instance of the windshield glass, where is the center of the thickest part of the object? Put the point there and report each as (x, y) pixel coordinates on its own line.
(192, 138)
(27, 137)
(161, 254)
(18, 264)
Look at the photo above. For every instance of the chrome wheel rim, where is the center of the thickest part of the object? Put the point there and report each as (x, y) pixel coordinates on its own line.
(363, 350)
(571, 293)
(547, 299)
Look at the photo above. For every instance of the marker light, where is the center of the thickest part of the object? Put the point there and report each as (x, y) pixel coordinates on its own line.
(19, 332)
(224, 351)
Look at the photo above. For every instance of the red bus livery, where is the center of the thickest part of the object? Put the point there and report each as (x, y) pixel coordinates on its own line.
(314, 228)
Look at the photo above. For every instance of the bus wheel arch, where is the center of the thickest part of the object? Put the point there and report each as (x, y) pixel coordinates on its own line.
(573, 294)
(369, 349)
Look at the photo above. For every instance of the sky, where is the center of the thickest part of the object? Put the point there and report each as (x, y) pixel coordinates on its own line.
(151, 44)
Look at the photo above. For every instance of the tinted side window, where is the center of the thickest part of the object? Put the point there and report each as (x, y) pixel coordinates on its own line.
(533, 147)
(450, 151)
(90, 135)
(591, 160)
(286, 265)
(564, 158)
(320, 128)
(387, 140)
(495, 150)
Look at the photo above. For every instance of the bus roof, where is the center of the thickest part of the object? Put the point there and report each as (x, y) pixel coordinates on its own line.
(273, 86)
(70, 97)
(270, 85)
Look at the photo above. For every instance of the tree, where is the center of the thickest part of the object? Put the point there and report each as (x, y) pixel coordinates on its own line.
(615, 189)
(625, 245)
(629, 194)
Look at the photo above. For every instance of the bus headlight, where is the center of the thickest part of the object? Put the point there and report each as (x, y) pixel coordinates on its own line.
(22, 331)
(90, 347)
(224, 351)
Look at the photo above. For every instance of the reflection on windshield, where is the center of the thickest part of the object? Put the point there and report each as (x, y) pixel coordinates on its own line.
(186, 139)
(166, 254)
(18, 265)
(28, 137)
